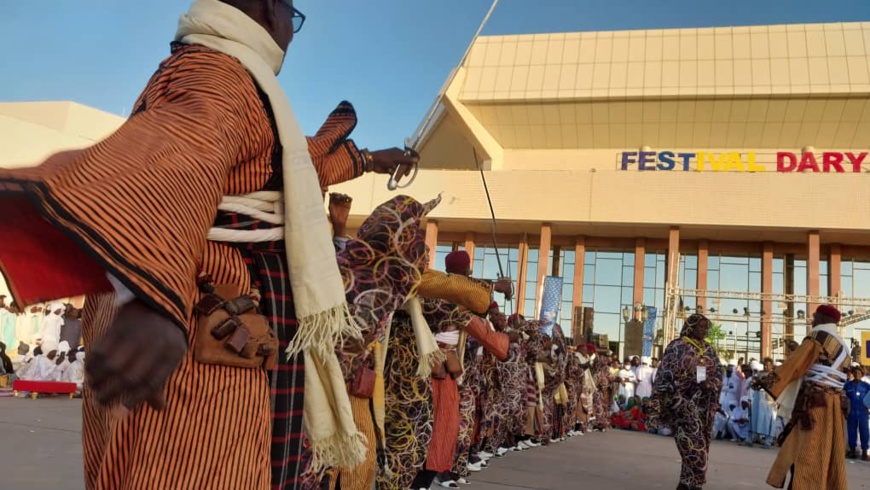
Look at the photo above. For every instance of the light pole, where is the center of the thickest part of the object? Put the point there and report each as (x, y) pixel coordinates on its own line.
(626, 316)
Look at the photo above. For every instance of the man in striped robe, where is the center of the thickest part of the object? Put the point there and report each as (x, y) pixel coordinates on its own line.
(139, 205)
(811, 382)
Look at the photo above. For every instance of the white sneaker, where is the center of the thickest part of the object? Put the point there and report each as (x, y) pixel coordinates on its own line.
(501, 451)
(484, 455)
(531, 443)
(462, 481)
(523, 446)
(449, 484)
(474, 468)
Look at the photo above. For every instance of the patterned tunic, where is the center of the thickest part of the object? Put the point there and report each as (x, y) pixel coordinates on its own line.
(139, 204)
(685, 405)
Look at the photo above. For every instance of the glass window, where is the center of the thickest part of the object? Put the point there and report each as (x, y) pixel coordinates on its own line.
(441, 252)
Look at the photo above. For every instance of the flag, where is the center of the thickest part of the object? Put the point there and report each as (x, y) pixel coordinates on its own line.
(551, 303)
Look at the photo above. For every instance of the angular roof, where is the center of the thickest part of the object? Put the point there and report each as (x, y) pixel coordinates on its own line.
(783, 86)
(31, 131)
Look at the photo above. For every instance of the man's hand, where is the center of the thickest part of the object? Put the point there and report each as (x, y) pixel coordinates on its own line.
(339, 211)
(386, 161)
(504, 286)
(132, 362)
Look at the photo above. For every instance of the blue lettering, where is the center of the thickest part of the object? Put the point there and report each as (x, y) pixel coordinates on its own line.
(667, 160)
(686, 157)
(628, 159)
(645, 158)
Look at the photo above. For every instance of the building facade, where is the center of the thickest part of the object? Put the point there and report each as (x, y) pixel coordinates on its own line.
(721, 170)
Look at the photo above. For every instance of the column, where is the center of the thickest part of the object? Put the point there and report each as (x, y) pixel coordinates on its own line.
(788, 278)
(673, 265)
(639, 255)
(835, 270)
(813, 256)
(703, 263)
(522, 267)
(469, 244)
(431, 240)
(766, 302)
(543, 262)
(577, 298)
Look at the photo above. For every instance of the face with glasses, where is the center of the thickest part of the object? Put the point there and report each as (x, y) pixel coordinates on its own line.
(279, 17)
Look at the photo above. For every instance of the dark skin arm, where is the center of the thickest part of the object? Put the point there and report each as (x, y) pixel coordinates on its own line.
(117, 370)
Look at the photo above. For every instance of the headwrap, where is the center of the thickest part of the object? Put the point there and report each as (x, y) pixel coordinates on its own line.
(732, 363)
(696, 327)
(829, 311)
(54, 306)
(49, 346)
(457, 262)
(63, 347)
(646, 360)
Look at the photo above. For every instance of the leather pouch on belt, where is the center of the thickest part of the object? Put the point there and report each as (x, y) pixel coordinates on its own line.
(232, 333)
(363, 385)
(452, 364)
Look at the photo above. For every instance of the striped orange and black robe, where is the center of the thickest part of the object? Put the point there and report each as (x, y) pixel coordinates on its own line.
(139, 205)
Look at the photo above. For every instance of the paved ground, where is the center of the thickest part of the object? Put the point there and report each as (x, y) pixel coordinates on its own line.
(41, 450)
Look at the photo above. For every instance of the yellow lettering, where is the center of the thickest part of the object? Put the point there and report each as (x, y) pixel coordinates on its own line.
(718, 161)
(753, 167)
(702, 160)
(734, 162)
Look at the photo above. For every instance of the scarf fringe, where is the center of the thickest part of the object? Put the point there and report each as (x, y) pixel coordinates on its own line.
(321, 332)
(428, 361)
(339, 451)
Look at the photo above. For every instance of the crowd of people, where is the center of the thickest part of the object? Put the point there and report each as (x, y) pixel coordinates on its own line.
(47, 342)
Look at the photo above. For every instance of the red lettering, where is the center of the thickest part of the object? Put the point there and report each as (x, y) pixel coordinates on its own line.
(856, 161)
(831, 159)
(808, 162)
(781, 165)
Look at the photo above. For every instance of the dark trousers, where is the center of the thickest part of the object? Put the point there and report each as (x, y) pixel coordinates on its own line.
(858, 424)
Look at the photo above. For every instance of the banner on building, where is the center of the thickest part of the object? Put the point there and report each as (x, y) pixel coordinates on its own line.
(649, 331)
(865, 348)
(551, 303)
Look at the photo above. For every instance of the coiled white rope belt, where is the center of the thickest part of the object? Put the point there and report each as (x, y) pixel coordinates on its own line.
(266, 206)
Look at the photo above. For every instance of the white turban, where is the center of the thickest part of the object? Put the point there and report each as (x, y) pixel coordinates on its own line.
(54, 306)
(732, 363)
(80, 355)
(756, 366)
(48, 346)
(63, 347)
(646, 360)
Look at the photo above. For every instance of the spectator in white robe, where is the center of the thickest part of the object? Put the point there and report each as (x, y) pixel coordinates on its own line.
(644, 375)
(764, 425)
(76, 371)
(63, 360)
(739, 423)
(626, 380)
(52, 323)
(43, 365)
(23, 356)
(23, 331)
(732, 386)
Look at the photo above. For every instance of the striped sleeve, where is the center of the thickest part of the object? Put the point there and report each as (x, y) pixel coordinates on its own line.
(336, 158)
(140, 203)
(496, 343)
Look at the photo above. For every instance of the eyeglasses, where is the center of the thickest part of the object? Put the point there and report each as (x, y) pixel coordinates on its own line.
(298, 17)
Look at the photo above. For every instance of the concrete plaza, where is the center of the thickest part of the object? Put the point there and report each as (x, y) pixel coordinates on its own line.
(41, 450)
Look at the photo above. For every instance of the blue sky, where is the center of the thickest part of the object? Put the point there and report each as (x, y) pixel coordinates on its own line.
(388, 57)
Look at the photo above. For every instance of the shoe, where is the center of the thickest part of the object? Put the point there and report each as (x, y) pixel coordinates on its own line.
(474, 468)
(501, 451)
(462, 481)
(450, 484)
(531, 443)
(483, 463)
(852, 454)
(485, 455)
(523, 446)
(865, 456)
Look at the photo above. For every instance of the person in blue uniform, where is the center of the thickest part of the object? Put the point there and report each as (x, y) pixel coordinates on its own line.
(856, 390)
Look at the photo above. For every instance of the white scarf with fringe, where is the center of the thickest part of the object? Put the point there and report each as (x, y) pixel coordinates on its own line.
(318, 291)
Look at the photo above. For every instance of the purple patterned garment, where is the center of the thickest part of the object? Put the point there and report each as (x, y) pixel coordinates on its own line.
(685, 405)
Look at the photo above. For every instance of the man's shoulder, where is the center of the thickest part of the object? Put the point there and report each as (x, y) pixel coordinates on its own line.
(194, 60)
